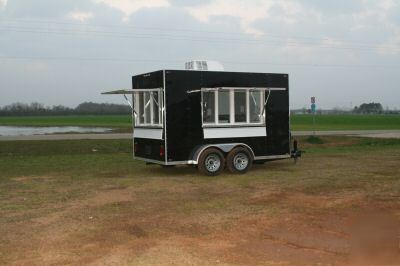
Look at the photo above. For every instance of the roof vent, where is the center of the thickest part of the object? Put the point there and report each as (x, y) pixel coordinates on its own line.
(202, 65)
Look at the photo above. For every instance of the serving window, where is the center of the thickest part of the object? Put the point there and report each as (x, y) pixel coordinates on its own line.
(148, 108)
(233, 106)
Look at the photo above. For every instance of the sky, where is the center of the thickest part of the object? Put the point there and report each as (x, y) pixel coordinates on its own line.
(343, 52)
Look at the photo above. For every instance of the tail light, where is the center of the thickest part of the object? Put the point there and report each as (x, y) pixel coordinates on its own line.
(162, 151)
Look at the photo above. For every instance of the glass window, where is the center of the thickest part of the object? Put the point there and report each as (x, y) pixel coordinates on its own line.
(240, 106)
(234, 106)
(255, 102)
(141, 108)
(223, 107)
(209, 107)
(148, 108)
(156, 107)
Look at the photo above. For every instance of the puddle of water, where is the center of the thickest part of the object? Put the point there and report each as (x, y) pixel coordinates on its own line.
(28, 131)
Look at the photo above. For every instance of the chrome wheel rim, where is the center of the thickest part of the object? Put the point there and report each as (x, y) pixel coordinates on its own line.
(213, 163)
(240, 161)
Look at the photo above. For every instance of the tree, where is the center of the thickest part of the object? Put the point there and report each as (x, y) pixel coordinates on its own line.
(369, 108)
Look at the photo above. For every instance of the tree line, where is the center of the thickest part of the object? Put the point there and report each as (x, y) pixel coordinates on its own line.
(90, 108)
(86, 108)
(365, 108)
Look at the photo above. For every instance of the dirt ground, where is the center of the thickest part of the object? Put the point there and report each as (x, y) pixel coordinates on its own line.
(334, 209)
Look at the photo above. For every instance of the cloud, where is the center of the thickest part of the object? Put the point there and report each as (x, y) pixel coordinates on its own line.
(391, 46)
(3, 4)
(248, 12)
(128, 7)
(80, 16)
(37, 66)
(377, 16)
(331, 42)
(386, 4)
(307, 49)
(374, 12)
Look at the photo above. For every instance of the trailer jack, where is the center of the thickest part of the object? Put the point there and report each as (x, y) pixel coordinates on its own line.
(296, 153)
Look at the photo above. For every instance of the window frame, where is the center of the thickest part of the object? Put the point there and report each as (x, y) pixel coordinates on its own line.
(150, 105)
(232, 122)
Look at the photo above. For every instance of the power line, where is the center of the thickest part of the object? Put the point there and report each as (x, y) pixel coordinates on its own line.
(118, 26)
(183, 38)
(359, 45)
(111, 59)
(57, 22)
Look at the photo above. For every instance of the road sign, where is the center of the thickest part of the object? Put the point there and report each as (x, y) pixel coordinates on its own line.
(313, 108)
(313, 111)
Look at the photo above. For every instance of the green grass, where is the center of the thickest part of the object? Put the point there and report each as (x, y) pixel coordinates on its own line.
(74, 158)
(346, 145)
(81, 166)
(314, 140)
(298, 122)
(115, 121)
(76, 168)
(113, 158)
(345, 122)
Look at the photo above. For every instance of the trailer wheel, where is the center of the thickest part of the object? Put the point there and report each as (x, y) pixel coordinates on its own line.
(211, 162)
(239, 160)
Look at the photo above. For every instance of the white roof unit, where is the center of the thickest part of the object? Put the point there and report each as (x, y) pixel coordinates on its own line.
(203, 65)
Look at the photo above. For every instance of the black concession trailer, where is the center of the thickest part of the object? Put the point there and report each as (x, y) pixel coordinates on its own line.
(212, 119)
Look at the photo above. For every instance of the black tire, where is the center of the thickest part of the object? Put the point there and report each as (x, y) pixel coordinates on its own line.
(211, 162)
(239, 160)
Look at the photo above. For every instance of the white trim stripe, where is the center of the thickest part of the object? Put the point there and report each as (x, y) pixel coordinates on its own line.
(148, 133)
(235, 132)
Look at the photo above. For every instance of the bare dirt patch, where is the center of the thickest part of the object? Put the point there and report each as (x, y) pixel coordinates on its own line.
(112, 196)
(30, 178)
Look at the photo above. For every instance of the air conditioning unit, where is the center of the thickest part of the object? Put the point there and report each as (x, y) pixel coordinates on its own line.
(204, 65)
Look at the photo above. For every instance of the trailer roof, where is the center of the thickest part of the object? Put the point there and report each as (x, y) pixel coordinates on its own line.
(228, 72)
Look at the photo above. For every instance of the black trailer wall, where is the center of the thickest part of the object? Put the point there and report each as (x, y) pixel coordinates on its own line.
(184, 120)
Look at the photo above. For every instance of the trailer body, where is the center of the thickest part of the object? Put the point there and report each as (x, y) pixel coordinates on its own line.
(182, 103)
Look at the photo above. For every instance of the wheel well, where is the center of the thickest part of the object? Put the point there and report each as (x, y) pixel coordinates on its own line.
(248, 148)
(224, 148)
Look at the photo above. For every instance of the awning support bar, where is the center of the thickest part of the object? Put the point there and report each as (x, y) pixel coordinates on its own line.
(124, 93)
(130, 104)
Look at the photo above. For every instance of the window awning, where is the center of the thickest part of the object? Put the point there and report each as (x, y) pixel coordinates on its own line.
(118, 92)
(238, 88)
(130, 91)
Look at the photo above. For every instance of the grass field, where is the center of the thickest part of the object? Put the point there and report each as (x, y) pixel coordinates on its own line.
(115, 121)
(298, 122)
(88, 202)
(346, 122)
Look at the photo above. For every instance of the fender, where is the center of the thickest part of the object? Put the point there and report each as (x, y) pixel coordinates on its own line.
(224, 147)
